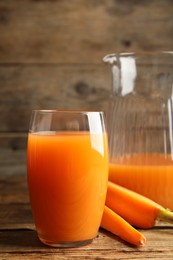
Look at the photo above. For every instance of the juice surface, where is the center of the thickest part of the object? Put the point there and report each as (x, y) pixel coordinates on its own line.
(150, 175)
(67, 179)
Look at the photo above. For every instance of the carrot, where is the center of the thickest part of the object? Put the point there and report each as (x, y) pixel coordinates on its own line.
(136, 209)
(118, 226)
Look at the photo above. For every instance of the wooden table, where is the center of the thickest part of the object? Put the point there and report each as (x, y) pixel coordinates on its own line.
(18, 239)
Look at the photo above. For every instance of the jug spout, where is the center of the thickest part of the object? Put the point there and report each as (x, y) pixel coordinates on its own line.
(145, 74)
(123, 72)
(110, 58)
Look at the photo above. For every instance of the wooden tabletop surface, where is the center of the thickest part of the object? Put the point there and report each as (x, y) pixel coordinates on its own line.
(18, 239)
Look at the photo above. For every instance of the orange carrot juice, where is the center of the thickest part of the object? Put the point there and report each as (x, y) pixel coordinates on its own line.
(67, 179)
(150, 175)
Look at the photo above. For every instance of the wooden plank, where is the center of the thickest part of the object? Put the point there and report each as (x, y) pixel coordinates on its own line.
(13, 190)
(16, 216)
(24, 243)
(23, 88)
(12, 156)
(81, 31)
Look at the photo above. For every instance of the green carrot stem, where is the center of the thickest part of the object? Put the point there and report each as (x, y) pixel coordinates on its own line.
(166, 215)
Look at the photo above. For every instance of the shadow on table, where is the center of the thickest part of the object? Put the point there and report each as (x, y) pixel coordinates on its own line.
(19, 240)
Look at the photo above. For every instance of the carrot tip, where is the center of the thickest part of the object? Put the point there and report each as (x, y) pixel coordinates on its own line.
(142, 241)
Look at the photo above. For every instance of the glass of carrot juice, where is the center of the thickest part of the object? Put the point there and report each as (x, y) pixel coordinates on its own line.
(67, 170)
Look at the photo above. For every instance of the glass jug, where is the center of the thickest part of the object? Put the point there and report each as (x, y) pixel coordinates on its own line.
(140, 124)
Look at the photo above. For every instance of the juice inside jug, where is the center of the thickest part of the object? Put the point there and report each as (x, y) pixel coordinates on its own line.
(140, 123)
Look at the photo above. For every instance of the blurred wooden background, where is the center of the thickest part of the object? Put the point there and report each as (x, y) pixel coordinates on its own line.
(51, 57)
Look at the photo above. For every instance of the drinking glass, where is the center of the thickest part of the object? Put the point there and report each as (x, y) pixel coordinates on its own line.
(140, 124)
(67, 169)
